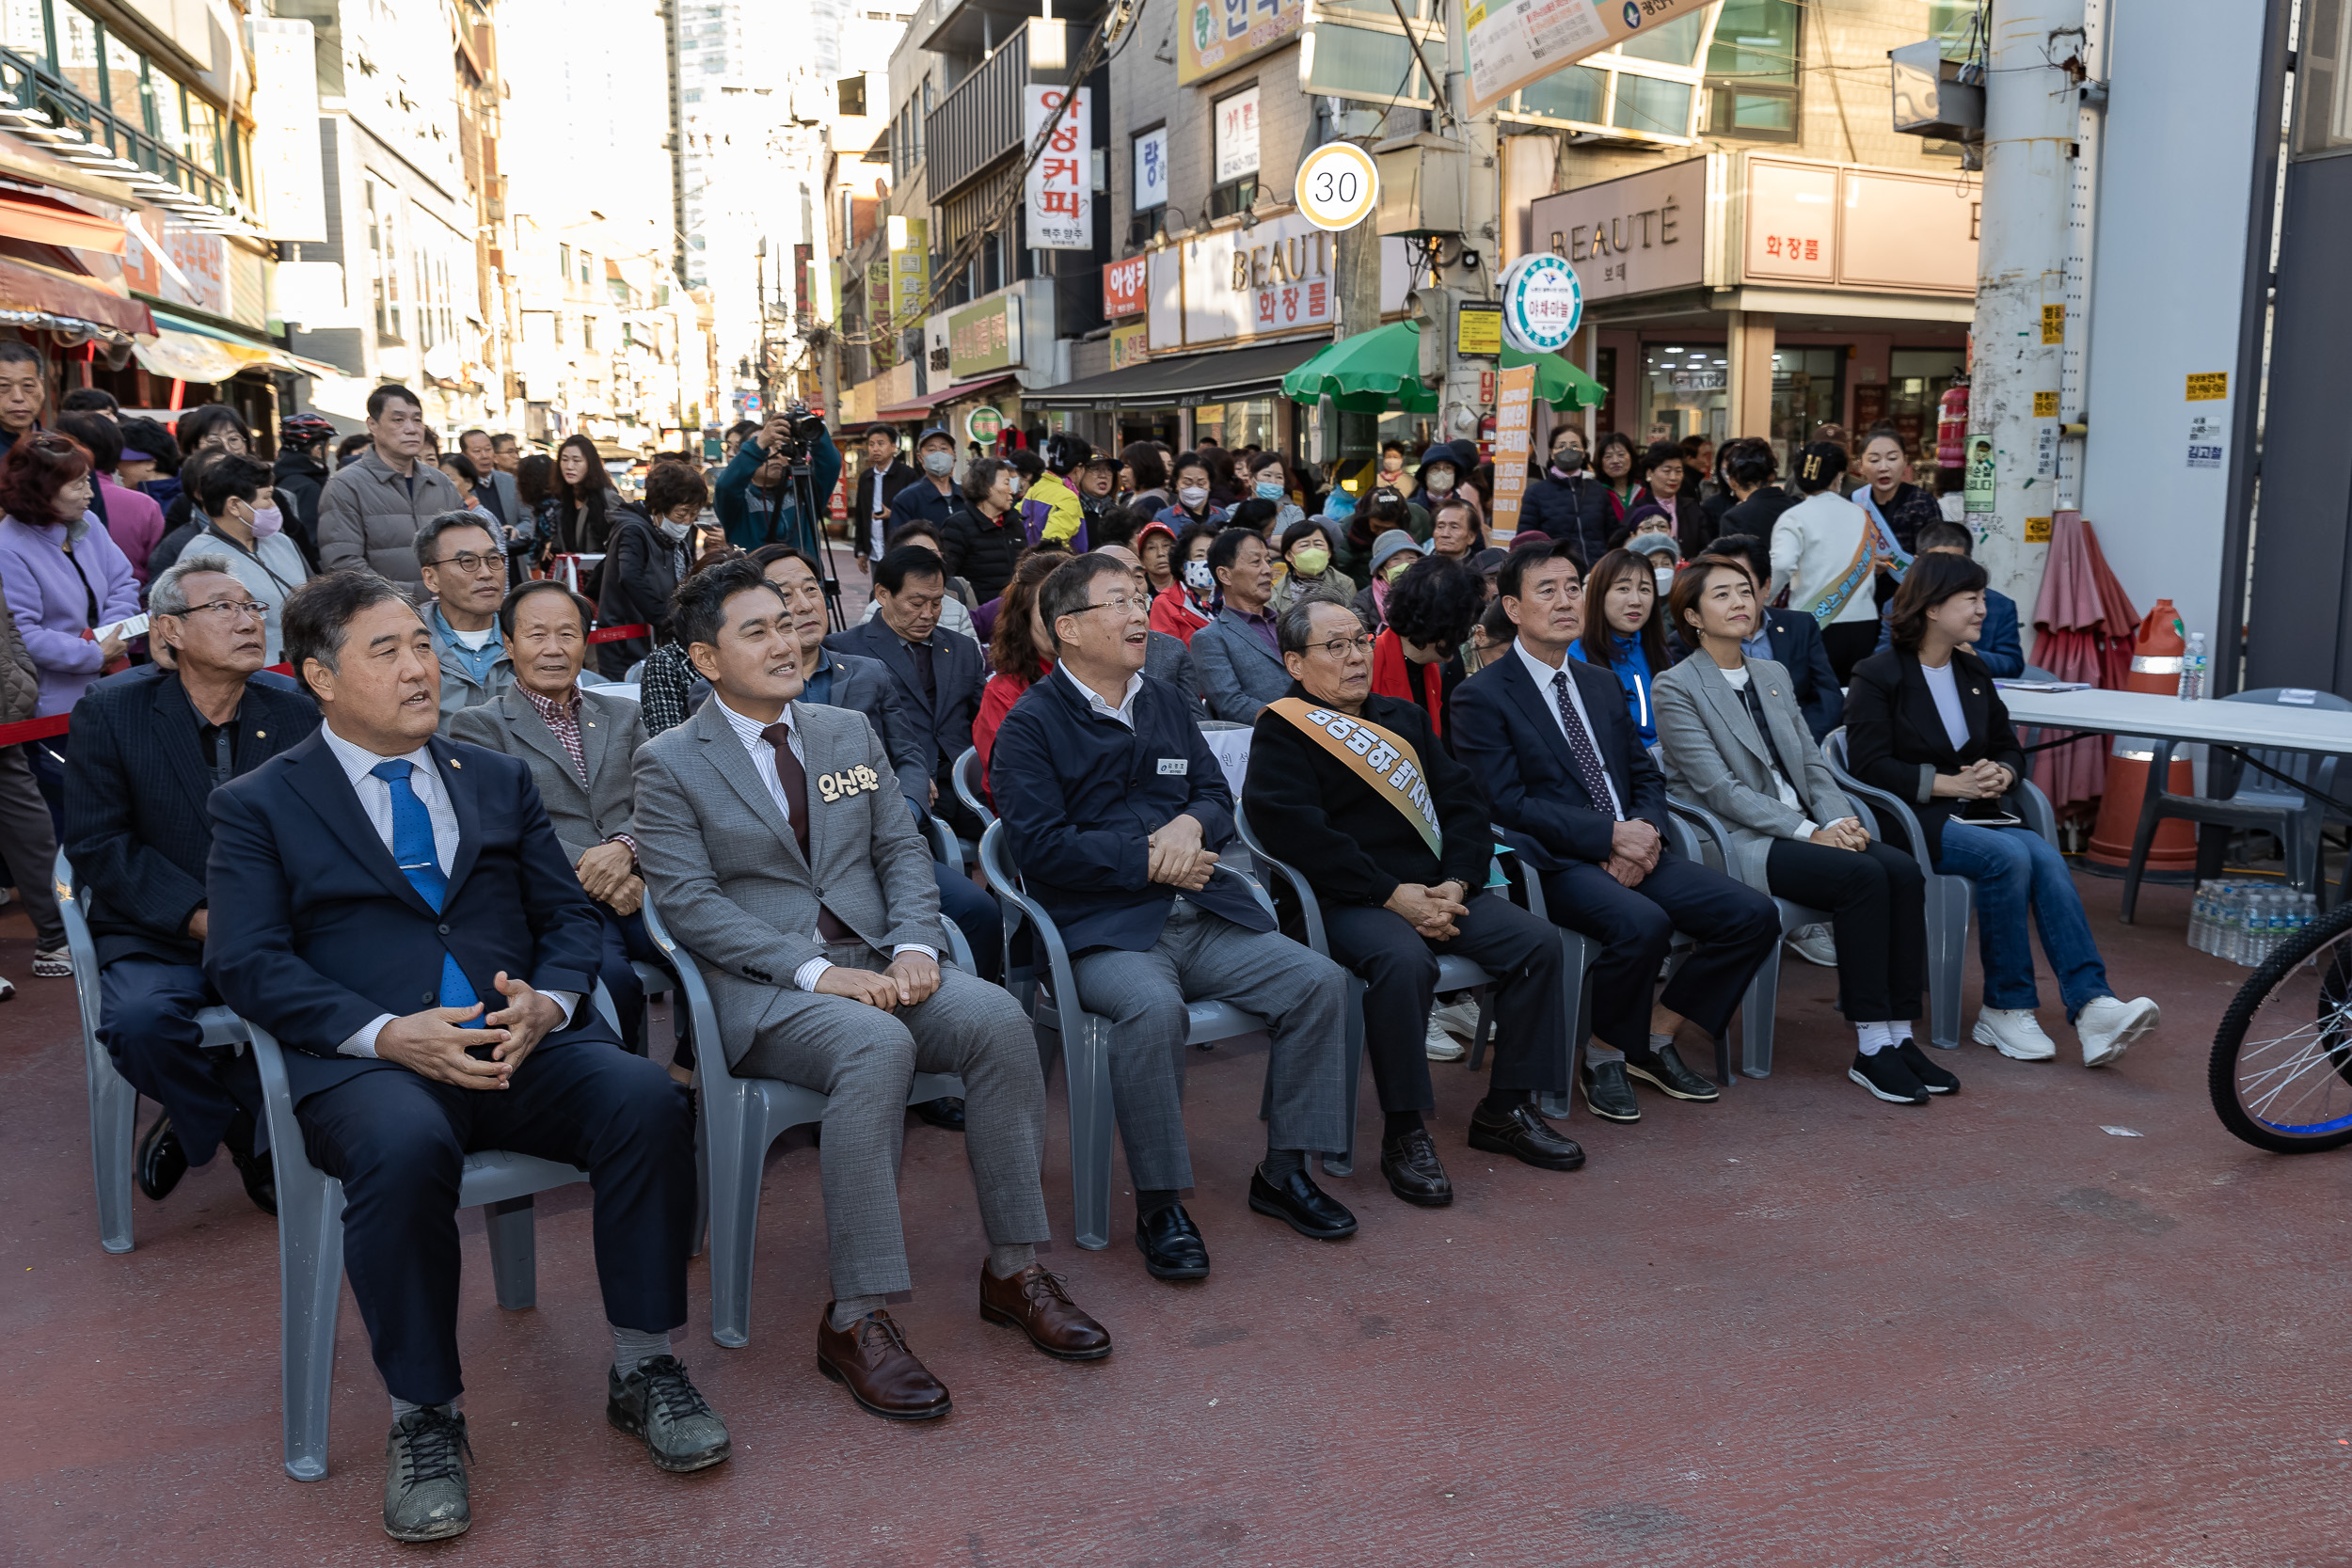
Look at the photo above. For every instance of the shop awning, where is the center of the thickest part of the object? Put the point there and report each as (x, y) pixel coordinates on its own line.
(186, 349)
(1182, 379)
(1376, 371)
(914, 408)
(31, 297)
(45, 221)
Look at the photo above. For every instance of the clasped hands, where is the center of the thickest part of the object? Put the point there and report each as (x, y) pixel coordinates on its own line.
(608, 874)
(910, 979)
(1432, 912)
(432, 1044)
(1979, 781)
(1634, 846)
(1846, 832)
(1176, 858)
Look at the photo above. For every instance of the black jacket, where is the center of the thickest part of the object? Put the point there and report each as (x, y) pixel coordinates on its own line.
(136, 825)
(944, 720)
(641, 572)
(1575, 509)
(296, 482)
(1755, 515)
(1896, 739)
(981, 552)
(1350, 841)
(896, 478)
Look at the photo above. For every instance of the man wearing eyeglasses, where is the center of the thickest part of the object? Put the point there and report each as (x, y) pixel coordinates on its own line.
(465, 573)
(1115, 808)
(149, 747)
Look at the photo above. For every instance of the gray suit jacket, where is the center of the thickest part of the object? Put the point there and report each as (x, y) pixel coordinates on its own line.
(865, 684)
(957, 672)
(1239, 673)
(724, 868)
(1713, 755)
(610, 731)
(1164, 658)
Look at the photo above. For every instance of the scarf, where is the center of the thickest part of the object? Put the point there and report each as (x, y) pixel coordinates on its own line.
(1898, 560)
(1392, 676)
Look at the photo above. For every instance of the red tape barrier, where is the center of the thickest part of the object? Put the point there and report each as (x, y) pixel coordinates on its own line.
(620, 634)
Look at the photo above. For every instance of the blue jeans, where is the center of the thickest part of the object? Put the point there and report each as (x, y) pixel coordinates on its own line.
(2015, 870)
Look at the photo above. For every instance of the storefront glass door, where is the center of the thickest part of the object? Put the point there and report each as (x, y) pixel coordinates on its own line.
(1808, 391)
(1686, 389)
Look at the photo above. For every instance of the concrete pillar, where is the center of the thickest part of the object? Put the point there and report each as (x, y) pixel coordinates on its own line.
(1750, 336)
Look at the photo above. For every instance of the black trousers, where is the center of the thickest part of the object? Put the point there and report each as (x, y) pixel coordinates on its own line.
(1848, 645)
(397, 1142)
(147, 1023)
(1733, 925)
(626, 939)
(1877, 904)
(1399, 968)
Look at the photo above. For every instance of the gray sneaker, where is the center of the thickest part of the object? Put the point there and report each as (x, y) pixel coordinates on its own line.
(425, 1492)
(658, 1403)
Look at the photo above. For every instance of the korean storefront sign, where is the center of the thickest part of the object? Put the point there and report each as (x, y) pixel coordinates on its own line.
(910, 265)
(1514, 407)
(1218, 35)
(1241, 283)
(1128, 347)
(1513, 42)
(286, 152)
(984, 337)
(1644, 232)
(1236, 135)
(1123, 287)
(1060, 188)
(1152, 169)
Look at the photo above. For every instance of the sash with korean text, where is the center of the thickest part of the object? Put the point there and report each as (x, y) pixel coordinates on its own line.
(1387, 763)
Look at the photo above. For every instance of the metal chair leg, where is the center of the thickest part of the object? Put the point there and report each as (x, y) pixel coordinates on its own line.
(1088, 1067)
(514, 1253)
(1342, 1161)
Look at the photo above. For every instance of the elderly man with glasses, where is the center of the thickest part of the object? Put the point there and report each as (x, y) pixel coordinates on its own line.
(1114, 807)
(465, 575)
(149, 747)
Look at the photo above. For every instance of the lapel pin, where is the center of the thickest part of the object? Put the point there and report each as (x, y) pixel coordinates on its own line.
(260, 734)
(454, 763)
(1976, 692)
(591, 723)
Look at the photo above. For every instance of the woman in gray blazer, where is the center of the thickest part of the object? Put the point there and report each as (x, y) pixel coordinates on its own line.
(1732, 737)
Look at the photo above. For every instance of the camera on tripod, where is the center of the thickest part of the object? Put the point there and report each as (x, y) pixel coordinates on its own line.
(801, 429)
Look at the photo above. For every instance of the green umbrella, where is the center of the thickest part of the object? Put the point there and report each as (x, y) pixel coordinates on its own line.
(1375, 372)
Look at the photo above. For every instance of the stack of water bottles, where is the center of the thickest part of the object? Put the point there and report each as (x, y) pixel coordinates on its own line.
(2246, 922)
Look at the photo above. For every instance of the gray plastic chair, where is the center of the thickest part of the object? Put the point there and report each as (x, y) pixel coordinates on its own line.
(740, 1119)
(113, 1103)
(965, 775)
(1454, 973)
(1762, 1001)
(1948, 898)
(2245, 797)
(310, 1249)
(1085, 1038)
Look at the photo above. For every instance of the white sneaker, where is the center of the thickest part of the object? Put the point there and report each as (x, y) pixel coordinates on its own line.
(2108, 1026)
(1815, 944)
(1441, 1046)
(2015, 1032)
(1458, 1019)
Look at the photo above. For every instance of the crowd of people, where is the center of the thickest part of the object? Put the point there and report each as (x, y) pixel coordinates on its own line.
(414, 857)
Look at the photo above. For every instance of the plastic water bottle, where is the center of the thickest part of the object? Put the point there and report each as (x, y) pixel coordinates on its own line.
(2193, 668)
(2225, 916)
(2197, 917)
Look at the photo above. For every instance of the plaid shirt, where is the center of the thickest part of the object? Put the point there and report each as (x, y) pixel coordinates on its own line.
(562, 721)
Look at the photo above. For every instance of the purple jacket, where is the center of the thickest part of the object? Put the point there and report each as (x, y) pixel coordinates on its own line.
(47, 598)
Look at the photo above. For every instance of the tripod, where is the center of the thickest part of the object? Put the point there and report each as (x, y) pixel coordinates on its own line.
(803, 487)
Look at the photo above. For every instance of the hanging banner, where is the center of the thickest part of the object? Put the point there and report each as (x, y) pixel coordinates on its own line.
(1218, 34)
(910, 266)
(287, 160)
(1060, 191)
(1513, 42)
(1514, 407)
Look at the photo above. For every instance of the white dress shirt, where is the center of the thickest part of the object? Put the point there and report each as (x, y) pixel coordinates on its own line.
(1124, 713)
(376, 799)
(1542, 674)
(763, 754)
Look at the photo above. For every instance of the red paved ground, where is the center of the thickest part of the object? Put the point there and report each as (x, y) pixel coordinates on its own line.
(1796, 1327)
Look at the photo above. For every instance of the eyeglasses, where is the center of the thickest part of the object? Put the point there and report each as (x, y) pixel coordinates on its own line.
(229, 611)
(1340, 647)
(469, 561)
(1121, 603)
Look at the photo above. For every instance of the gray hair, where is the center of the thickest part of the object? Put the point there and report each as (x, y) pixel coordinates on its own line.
(1296, 630)
(169, 596)
(429, 536)
(1065, 592)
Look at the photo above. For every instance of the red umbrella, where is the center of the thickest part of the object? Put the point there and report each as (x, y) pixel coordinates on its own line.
(2084, 624)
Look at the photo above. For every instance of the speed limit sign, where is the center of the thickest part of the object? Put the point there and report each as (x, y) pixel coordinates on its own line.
(1338, 185)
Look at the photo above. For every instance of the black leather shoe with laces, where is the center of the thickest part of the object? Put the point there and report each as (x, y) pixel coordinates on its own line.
(426, 1495)
(1523, 1133)
(161, 1161)
(661, 1405)
(1409, 1160)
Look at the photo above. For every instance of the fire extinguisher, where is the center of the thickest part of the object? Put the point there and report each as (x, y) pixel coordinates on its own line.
(1952, 425)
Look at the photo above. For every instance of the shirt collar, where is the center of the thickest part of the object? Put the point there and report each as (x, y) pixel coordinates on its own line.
(749, 730)
(1536, 667)
(1124, 712)
(551, 711)
(358, 761)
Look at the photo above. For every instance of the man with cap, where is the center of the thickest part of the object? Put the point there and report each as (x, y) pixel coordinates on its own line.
(887, 473)
(934, 496)
(1393, 553)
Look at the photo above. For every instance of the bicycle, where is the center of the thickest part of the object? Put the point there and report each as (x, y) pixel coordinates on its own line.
(2281, 1070)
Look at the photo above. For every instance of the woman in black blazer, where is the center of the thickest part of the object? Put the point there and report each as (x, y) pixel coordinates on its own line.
(1924, 721)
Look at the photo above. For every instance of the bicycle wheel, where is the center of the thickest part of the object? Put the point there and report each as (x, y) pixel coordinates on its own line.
(2281, 1071)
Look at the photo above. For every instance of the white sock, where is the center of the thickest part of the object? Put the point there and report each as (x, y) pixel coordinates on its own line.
(1873, 1037)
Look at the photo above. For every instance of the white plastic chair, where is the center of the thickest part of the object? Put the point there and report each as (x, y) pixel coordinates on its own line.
(113, 1102)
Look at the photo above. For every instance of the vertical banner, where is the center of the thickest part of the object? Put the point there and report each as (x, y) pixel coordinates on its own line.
(1512, 42)
(910, 267)
(286, 155)
(1515, 410)
(1061, 192)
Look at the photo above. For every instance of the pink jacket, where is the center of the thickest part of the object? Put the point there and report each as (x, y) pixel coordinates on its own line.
(135, 524)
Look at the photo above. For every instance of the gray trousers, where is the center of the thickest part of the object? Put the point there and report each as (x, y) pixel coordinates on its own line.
(28, 844)
(865, 1059)
(1206, 957)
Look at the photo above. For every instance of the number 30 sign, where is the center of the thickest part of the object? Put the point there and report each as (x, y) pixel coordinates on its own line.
(1338, 185)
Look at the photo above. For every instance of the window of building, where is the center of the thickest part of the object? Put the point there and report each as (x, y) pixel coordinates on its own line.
(1646, 90)
(1752, 70)
(383, 253)
(587, 266)
(1234, 152)
(588, 333)
(23, 30)
(126, 86)
(78, 52)
(851, 91)
(563, 261)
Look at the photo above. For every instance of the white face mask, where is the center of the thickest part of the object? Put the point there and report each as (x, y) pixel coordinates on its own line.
(676, 532)
(1665, 579)
(1441, 480)
(1015, 482)
(1198, 577)
(1193, 494)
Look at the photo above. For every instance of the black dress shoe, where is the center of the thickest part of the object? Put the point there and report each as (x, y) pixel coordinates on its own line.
(1410, 1164)
(1664, 1071)
(161, 1161)
(1525, 1136)
(946, 1111)
(1607, 1093)
(259, 1173)
(1297, 1202)
(1171, 1244)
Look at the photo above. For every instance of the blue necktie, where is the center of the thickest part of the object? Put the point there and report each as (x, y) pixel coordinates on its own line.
(421, 863)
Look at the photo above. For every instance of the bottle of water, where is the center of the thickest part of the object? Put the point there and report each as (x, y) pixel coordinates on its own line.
(2193, 668)
(2229, 913)
(2197, 917)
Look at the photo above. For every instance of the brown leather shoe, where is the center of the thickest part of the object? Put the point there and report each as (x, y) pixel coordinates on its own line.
(871, 1360)
(1034, 1302)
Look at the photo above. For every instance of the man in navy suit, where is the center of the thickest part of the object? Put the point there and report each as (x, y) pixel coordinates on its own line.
(938, 673)
(397, 910)
(1576, 795)
(148, 749)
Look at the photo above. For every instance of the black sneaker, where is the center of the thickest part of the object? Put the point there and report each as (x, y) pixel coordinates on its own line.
(1887, 1075)
(1931, 1078)
(1607, 1093)
(426, 1495)
(661, 1405)
(1664, 1071)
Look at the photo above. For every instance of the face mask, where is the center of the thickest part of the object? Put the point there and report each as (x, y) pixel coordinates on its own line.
(1568, 459)
(1193, 494)
(1016, 487)
(1441, 480)
(1392, 463)
(1309, 563)
(1270, 490)
(676, 532)
(1403, 564)
(1198, 577)
(939, 464)
(267, 521)
(1665, 579)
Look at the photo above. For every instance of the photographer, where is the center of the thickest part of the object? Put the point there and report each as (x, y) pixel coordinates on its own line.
(753, 494)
